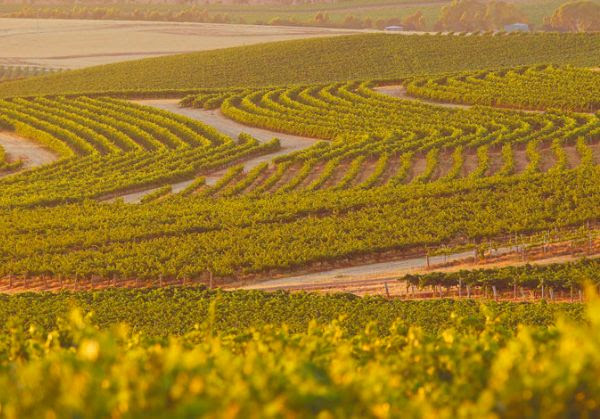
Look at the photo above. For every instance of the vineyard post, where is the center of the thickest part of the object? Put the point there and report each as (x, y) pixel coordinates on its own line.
(468, 291)
(460, 288)
(515, 288)
(495, 292)
(160, 280)
(542, 288)
(427, 260)
(387, 290)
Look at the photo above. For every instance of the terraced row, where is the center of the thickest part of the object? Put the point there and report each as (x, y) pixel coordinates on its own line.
(537, 87)
(379, 140)
(108, 146)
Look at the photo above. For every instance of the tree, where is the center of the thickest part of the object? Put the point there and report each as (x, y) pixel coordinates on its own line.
(414, 22)
(576, 16)
(322, 18)
(472, 15)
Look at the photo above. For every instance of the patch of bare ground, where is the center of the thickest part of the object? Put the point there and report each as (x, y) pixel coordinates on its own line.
(368, 166)
(287, 176)
(29, 152)
(337, 175)
(312, 176)
(470, 162)
(260, 179)
(495, 162)
(445, 162)
(417, 168)
(231, 182)
(573, 156)
(547, 157)
(520, 158)
(390, 170)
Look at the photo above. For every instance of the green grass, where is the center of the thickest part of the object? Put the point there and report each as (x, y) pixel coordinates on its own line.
(320, 60)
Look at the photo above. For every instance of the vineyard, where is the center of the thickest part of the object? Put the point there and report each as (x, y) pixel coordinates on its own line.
(389, 176)
(441, 358)
(537, 87)
(379, 140)
(141, 202)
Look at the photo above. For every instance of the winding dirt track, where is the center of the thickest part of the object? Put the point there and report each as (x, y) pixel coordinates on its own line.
(31, 153)
(214, 118)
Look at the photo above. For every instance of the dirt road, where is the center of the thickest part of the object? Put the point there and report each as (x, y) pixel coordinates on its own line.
(383, 270)
(31, 153)
(216, 119)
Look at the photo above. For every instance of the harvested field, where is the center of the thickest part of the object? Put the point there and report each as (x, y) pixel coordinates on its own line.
(83, 43)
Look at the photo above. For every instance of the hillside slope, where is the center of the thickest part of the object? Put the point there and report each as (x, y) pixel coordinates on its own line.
(368, 56)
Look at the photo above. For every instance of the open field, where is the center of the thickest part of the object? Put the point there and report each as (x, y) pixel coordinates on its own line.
(70, 44)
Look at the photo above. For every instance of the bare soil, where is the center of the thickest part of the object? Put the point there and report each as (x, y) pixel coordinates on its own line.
(30, 153)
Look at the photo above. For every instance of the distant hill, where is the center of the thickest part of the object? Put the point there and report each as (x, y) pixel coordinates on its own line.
(365, 56)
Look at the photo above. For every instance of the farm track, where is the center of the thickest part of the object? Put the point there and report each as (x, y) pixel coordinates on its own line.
(289, 143)
(374, 278)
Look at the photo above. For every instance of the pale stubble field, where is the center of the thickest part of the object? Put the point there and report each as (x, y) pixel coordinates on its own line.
(81, 43)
